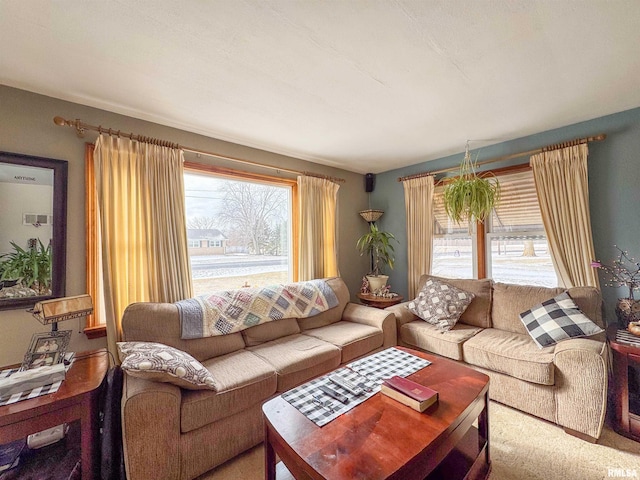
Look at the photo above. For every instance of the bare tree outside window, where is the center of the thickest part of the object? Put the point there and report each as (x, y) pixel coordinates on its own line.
(238, 232)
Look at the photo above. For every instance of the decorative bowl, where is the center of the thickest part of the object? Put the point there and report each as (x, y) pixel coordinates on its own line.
(634, 328)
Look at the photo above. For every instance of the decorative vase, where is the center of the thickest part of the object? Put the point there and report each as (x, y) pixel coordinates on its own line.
(627, 310)
(377, 282)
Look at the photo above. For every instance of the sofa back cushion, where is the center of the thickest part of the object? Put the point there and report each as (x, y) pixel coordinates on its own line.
(478, 313)
(589, 301)
(333, 314)
(160, 322)
(270, 331)
(509, 301)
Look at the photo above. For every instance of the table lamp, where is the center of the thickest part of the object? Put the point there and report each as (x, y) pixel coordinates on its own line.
(62, 309)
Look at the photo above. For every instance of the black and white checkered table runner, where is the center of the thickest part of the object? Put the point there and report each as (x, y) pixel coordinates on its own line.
(371, 370)
(623, 336)
(33, 393)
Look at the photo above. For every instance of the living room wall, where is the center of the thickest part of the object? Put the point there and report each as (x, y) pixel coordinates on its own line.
(26, 126)
(614, 188)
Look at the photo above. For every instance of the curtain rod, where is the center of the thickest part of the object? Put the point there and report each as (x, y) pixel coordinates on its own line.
(548, 148)
(82, 127)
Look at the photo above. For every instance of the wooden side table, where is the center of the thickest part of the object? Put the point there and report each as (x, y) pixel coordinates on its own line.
(76, 399)
(379, 302)
(626, 386)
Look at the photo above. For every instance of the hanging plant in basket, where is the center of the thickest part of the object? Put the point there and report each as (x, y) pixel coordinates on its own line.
(470, 197)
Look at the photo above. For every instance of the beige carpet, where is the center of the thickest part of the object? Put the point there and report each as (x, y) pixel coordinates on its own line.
(522, 447)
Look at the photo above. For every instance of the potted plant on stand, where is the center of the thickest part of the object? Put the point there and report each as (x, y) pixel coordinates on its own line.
(377, 244)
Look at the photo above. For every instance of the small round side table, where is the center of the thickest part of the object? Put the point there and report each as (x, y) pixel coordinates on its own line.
(379, 302)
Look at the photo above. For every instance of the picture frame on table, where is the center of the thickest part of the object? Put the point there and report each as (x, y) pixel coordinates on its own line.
(46, 348)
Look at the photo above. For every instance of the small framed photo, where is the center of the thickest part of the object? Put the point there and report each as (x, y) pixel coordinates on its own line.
(46, 348)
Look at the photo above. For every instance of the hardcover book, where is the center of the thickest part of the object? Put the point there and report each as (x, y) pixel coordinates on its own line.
(410, 393)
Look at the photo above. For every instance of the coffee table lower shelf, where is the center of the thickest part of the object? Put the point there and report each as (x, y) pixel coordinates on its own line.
(466, 462)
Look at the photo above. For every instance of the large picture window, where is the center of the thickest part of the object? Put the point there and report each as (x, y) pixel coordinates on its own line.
(510, 247)
(239, 229)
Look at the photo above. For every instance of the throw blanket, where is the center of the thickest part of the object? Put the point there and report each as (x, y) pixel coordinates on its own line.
(230, 311)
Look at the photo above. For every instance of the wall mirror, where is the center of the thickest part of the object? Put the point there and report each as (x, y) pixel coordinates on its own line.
(33, 221)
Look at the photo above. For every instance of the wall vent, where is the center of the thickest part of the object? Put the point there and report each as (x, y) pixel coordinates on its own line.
(37, 219)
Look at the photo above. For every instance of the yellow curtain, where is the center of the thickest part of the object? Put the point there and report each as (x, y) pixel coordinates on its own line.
(418, 199)
(142, 227)
(317, 222)
(563, 193)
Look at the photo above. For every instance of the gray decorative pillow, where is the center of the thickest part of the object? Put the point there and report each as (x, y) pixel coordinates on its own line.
(162, 363)
(557, 319)
(440, 304)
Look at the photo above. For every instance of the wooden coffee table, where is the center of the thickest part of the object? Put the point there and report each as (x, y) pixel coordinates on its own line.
(383, 439)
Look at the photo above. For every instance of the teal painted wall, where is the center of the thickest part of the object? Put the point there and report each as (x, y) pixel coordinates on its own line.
(614, 189)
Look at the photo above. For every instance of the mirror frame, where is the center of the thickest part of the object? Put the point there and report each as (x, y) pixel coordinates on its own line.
(59, 227)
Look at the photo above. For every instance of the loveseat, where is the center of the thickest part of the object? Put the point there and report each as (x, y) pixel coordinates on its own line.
(174, 433)
(565, 383)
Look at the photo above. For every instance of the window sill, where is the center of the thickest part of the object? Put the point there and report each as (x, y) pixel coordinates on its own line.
(95, 332)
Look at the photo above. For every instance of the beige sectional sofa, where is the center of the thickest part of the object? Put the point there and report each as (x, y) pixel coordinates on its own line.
(565, 383)
(173, 433)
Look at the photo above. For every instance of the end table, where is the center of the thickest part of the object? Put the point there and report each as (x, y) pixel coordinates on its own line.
(625, 348)
(76, 399)
(379, 302)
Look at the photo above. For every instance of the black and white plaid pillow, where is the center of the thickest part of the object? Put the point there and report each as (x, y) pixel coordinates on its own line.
(557, 319)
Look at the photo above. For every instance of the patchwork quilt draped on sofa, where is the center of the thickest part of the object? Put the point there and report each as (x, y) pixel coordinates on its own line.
(229, 311)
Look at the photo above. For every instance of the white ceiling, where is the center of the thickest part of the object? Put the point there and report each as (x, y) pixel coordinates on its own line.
(365, 85)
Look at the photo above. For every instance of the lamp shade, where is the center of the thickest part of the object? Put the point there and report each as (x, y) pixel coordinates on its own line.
(61, 309)
(371, 215)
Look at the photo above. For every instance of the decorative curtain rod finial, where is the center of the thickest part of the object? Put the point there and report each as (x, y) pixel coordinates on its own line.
(61, 122)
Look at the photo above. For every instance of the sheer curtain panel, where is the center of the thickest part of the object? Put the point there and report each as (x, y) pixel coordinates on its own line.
(563, 193)
(142, 227)
(418, 199)
(317, 220)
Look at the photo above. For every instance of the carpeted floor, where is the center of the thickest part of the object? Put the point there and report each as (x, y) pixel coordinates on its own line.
(522, 447)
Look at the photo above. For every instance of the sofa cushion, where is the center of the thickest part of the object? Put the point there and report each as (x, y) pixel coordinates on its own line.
(243, 380)
(428, 337)
(557, 319)
(510, 353)
(333, 314)
(589, 301)
(297, 358)
(353, 339)
(270, 331)
(440, 303)
(161, 363)
(478, 313)
(509, 301)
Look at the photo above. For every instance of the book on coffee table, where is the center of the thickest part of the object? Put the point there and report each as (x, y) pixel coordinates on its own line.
(410, 393)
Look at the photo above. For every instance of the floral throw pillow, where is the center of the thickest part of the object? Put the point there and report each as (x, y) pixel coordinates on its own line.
(162, 363)
(440, 304)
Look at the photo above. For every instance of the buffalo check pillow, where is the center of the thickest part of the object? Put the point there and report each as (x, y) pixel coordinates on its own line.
(557, 319)
(440, 304)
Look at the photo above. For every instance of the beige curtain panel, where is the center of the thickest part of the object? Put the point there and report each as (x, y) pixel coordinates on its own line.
(318, 256)
(418, 200)
(142, 227)
(561, 180)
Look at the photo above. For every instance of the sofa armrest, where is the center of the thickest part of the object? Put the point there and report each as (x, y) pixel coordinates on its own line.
(402, 313)
(151, 429)
(373, 317)
(581, 384)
